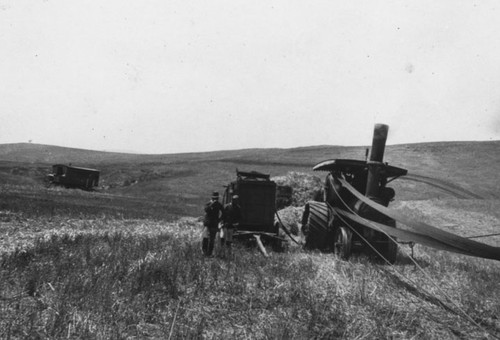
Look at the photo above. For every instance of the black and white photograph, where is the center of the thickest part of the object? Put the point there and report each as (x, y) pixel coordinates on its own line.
(279, 169)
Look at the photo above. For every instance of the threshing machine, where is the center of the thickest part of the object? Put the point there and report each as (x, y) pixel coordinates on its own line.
(354, 213)
(325, 225)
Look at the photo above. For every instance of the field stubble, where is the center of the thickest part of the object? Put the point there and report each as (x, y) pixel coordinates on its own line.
(115, 278)
(83, 265)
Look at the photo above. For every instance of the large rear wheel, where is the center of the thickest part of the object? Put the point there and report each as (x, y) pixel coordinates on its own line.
(315, 225)
(343, 243)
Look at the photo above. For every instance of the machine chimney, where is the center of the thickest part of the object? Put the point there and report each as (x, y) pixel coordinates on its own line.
(375, 162)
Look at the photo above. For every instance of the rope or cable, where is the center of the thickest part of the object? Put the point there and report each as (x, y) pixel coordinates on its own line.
(413, 260)
(412, 281)
(479, 236)
(285, 229)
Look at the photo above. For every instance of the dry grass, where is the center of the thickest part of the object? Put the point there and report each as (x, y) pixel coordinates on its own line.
(306, 187)
(291, 218)
(108, 278)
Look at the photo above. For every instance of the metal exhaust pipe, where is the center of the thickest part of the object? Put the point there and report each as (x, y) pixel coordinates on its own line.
(375, 162)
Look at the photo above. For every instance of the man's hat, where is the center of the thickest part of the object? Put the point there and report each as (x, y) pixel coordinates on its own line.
(215, 194)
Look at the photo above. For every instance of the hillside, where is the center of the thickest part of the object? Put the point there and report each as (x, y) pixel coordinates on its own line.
(184, 181)
(124, 261)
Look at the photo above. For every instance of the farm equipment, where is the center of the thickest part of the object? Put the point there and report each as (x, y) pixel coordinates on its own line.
(257, 199)
(354, 215)
(74, 177)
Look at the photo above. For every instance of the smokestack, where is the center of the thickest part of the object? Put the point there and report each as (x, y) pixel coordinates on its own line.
(376, 160)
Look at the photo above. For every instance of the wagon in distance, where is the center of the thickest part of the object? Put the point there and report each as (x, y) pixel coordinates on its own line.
(74, 177)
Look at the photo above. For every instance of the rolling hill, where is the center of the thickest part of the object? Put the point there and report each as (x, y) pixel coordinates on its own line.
(183, 181)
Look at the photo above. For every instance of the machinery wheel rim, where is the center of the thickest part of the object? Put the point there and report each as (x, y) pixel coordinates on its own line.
(339, 245)
(342, 246)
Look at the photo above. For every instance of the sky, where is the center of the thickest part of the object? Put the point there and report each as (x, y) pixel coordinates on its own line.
(172, 76)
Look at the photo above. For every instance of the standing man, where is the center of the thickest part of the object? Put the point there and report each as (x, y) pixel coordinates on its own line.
(213, 215)
(232, 218)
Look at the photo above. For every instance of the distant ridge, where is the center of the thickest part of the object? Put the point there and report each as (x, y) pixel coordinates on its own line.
(42, 153)
(472, 166)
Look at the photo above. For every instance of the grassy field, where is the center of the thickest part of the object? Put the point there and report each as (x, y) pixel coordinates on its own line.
(124, 262)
